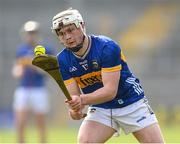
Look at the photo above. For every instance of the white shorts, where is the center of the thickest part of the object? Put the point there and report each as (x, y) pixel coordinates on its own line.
(35, 99)
(130, 118)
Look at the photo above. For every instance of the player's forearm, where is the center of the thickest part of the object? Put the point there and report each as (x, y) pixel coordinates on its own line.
(25, 61)
(101, 95)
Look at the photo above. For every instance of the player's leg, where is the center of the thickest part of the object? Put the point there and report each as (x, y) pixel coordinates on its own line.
(149, 134)
(139, 119)
(94, 132)
(41, 125)
(40, 106)
(97, 127)
(20, 123)
(20, 112)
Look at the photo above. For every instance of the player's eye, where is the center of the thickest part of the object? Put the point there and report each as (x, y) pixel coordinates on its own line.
(70, 30)
(59, 33)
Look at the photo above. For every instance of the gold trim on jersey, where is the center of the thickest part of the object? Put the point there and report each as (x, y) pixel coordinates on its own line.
(69, 81)
(89, 79)
(112, 69)
(123, 57)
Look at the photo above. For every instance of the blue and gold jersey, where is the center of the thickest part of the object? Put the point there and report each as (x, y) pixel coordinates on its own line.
(31, 77)
(102, 55)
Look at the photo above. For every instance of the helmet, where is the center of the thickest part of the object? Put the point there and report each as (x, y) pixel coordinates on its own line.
(30, 32)
(69, 16)
(31, 26)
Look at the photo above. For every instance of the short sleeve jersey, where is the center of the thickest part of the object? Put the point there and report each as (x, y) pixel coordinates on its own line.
(103, 55)
(31, 77)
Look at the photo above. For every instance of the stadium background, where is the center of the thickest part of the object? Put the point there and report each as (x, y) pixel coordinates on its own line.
(147, 30)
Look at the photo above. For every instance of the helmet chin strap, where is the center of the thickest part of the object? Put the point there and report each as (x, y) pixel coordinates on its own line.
(78, 47)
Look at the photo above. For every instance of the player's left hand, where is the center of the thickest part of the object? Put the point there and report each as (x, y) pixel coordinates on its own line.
(75, 103)
(76, 115)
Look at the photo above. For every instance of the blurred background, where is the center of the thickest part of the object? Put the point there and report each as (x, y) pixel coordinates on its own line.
(147, 31)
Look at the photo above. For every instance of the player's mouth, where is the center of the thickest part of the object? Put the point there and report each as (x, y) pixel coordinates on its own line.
(71, 44)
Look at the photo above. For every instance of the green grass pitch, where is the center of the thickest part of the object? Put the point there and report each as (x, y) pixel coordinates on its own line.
(68, 135)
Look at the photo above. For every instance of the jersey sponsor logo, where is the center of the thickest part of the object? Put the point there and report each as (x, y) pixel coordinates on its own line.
(89, 79)
(136, 86)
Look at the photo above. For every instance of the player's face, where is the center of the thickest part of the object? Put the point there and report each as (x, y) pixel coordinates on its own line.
(70, 35)
(31, 37)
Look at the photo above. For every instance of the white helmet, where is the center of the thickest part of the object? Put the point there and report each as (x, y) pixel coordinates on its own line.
(69, 16)
(31, 26)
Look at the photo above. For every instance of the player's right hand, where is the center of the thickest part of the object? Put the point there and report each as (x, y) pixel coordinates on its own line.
(75, 103)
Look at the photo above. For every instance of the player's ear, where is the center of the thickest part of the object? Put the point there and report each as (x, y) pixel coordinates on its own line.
(61, 42)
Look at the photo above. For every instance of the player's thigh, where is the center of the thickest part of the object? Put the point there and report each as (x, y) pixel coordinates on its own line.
(94, 132)
(39, 100)
(20, 117)
(40, 119)
(149, 134)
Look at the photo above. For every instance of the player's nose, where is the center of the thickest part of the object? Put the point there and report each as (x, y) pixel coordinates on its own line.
(68, 36)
